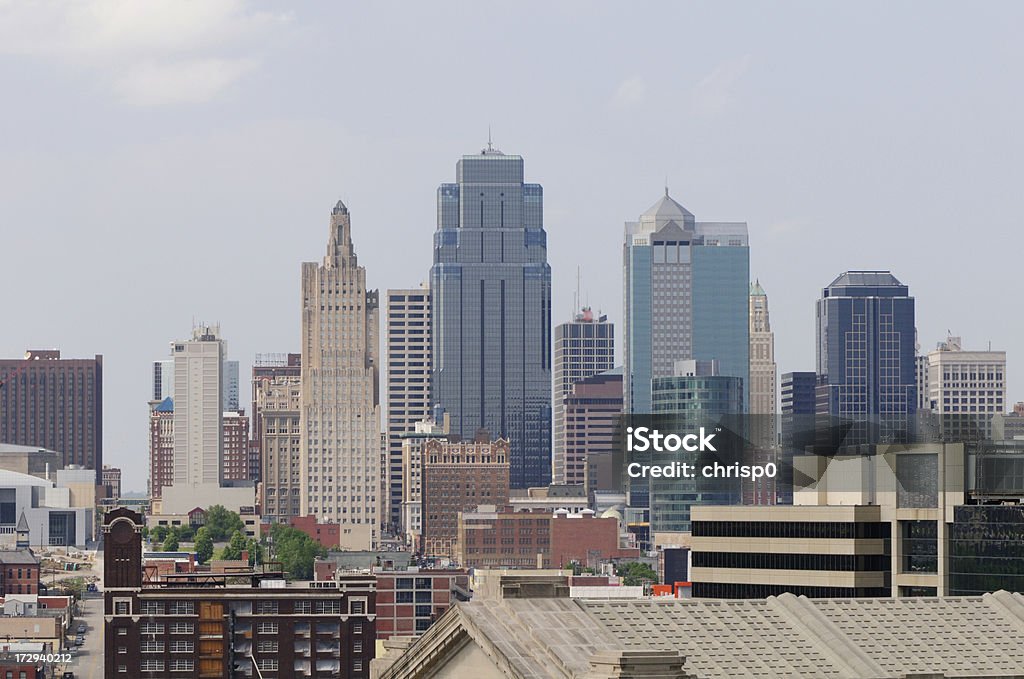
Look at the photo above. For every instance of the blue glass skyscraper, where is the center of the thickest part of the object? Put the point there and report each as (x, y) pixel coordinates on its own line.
(491, 287)
(687, 287)
(866, 351)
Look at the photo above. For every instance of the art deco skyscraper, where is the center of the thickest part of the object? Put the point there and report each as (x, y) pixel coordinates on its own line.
(340, 418)
(763, 371)
(687, 288)
(491, 287)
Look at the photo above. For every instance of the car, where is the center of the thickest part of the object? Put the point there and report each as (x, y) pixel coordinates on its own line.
(68, 675)
(81, 629)
(79, 642)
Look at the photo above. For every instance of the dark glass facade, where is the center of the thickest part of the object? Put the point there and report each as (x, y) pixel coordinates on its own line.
(866, 354)
(986, 549)
(491, 324)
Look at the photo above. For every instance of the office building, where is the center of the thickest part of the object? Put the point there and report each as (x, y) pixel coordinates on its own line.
(866, 355)
(56, 403)
(496, 537)
(591, 412)
(491, 290)
(163, 379)
(838, 551)
(583, 347)
(230, 377)
(198, 412)
(966, 389)
(457, 477)
(869, 525)
(412, 477)
(206, 625)
(986, 548)
(410, 601)
(235, 459)
(687, 297)
(161, 446)
(276, 404)
(696, 396)
(340, 419)
(763, 371)
(273, 371)
(922, 379)
(408, 382)
(111, 482)
(29, 460)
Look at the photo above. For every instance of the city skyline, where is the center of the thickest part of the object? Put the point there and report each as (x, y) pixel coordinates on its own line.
(135, 180)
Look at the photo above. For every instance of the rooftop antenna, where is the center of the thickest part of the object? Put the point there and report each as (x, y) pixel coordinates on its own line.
(577, 309)
(666, 186)
(489, 147)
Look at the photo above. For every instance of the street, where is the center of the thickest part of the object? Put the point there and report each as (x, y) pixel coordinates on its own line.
(88, 658)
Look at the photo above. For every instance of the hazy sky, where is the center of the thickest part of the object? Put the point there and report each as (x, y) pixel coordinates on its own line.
(169, 161)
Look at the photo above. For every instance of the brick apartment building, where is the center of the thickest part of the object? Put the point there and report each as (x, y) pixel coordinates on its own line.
(19, 572)
(457, 477)
(205, 625)
(409, 601)
(489, 538)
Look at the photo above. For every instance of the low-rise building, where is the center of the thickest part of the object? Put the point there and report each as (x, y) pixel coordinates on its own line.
(493, 538)
(19, 572)
(51, 512)
(409, 601)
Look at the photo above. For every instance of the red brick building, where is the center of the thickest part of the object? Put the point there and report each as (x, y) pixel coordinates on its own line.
(161, 446)
(408, 602)
(19, 572)
(55, 403)
(506, 539)
(327, 534)
(235, 463)
(457, 477)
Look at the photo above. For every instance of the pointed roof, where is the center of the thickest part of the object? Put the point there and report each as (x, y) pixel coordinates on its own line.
(165, 406)
(667, 208)
(22, 523)
(339, 208)
(756, 290)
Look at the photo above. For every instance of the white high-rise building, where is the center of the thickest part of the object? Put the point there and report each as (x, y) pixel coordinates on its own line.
(340, 417)
(408, 382)
(198, 397)
(966, 388)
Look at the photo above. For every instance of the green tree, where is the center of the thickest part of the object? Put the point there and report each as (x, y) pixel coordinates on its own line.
(295, 550)
(234, 548)
(222, 523)
(159, 533)
(635, 573)
(171, 544)
(186, 533)
(204, 545)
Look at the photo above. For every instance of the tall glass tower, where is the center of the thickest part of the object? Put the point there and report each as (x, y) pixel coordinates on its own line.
(687, 291)
(866, 352)
(491, 324)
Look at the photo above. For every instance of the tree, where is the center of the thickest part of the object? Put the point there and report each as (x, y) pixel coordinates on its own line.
(204, 545)
(295, 550)
(171, 544)
(635, 573)
(186, 533)
(159, 533)
(234, 548)
(222, 523)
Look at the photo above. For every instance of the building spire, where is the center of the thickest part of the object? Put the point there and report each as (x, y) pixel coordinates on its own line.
(489, 146)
